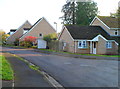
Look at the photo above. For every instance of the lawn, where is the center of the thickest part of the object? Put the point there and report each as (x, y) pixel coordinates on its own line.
(6, 72)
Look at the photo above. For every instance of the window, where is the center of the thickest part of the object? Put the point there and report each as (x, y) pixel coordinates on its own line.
(40, 34)
(82, 44)
(25, 31)
(64, 44)
(108, 44)
(116, 32)
(11, 33)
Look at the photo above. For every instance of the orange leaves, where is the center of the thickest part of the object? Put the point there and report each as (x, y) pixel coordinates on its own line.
(30, 39)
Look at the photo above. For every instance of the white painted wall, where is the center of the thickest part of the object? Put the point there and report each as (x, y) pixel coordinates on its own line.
(41, 43)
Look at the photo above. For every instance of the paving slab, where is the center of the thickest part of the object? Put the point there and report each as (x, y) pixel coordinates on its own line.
(24, 76)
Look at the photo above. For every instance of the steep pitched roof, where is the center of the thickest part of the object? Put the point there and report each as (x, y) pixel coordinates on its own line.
(111, 22)
(26, 22)
(87, 32)
(31, 27)
(35, 25)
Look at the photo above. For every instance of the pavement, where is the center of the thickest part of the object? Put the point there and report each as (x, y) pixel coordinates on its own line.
(73, 72)
(24, 76)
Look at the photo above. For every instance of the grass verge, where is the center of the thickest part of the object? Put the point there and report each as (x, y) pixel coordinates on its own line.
(6, 72)
(34, 67)
(81, 54)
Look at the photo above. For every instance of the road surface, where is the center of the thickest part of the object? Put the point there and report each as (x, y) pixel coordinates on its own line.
(73, 72)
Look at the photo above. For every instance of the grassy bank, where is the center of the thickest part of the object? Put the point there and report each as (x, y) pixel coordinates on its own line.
(6, 72)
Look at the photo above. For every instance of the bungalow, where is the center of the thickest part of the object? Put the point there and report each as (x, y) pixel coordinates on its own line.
(88, 40)
(17, 33)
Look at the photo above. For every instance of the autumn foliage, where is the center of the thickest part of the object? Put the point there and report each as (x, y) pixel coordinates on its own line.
(30, 39)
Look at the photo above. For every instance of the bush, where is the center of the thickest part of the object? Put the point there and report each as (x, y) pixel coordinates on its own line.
(28, 41)
(50, 37)
(16, 43)
(26, 44)
(34, 47)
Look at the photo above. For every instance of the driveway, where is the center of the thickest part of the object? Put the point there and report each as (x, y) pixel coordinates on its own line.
(73, 72)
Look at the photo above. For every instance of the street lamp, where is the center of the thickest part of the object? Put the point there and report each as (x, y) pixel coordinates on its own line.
(56, 26)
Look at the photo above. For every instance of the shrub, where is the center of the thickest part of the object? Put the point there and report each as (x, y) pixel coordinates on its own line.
(50, 37)
(28, 41)
(26, 44)
(16, 43)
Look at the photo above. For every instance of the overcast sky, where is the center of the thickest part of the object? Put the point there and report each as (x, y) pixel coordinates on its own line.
(15, 12)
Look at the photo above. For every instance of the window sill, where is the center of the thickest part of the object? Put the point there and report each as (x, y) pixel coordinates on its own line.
(83, 48)
(108, 48)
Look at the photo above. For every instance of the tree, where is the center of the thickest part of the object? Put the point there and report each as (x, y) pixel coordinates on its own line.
(85, 12)
(3, 37)
(69, 11)
(50, 37)
(117, 14)
(80, 13)
(51, 41)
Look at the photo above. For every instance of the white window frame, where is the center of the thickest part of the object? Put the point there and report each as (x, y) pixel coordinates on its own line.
(83, 45)
(64, 44)
(12, 33)
(25, 31)
(108, 44)
(115, 32)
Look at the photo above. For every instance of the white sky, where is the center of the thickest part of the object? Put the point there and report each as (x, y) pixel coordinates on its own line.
(15, 12)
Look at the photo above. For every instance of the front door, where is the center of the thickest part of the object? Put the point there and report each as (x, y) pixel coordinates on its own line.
(94, 47)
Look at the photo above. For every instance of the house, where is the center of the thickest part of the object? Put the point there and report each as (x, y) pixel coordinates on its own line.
(39, 29)
(88, 40)
(108, 23)
(17, 33)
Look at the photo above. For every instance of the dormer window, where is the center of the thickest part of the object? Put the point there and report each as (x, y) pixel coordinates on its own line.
(116, 32)
(25, 30)
(12, 31)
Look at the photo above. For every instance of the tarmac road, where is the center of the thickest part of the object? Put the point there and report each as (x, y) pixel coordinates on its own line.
(73, 72)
